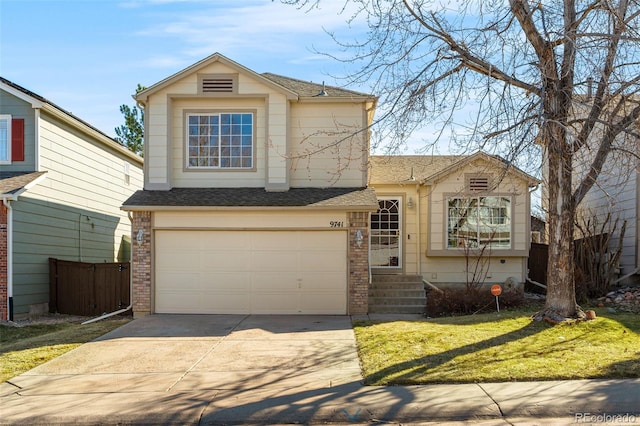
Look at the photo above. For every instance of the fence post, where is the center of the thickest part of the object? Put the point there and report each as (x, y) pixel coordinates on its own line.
(53, 285)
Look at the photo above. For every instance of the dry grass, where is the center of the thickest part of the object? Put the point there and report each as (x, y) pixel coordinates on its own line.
(497, 348)
(23, 348)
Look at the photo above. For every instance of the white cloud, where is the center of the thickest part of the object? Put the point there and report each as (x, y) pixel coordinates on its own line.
(258, 27)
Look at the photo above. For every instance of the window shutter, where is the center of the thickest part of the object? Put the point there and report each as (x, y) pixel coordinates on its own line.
(17, 139)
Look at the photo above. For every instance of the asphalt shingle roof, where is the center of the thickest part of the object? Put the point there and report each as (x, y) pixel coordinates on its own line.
(399, 168)
(310, 89)
(12, 182)
(361, 198)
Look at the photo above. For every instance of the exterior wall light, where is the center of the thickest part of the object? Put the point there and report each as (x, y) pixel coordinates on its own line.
(140, 236)
(410, 203)
(359, 238)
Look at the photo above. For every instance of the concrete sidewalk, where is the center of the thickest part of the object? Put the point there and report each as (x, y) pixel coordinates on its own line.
(234, 369)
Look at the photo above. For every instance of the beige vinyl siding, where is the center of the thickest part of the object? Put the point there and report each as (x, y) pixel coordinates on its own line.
(183, 177)
(615, 193)
(454, 185)
(18, 108)
(156, 141)
(424, 228)
(242, 219)
(74, 213)
(316, 158)
(449, 270)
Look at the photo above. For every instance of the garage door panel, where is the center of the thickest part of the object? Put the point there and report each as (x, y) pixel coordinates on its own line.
(226, 303)
(275, 303)
(274, 261)
(229, 281)
(224, 261)
(317, 303)
(322, 261)
(175, 281)
(275, 281)
(183, 260)
(326, 282)
(251, 272)
(274, 240)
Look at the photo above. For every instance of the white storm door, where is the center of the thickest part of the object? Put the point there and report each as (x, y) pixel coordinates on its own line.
(385, 247)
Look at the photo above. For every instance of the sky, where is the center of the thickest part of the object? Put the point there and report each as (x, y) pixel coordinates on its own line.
(87, 56)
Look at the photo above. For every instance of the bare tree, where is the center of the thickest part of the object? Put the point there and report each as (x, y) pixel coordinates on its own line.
(563, 74)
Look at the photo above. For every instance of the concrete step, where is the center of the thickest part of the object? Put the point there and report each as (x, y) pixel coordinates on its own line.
(392, 285)
(394, 309)
(397, 292)
(399, 301)
(395, 278)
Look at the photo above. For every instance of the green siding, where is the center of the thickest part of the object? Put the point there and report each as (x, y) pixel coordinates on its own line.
(18, 108)
(42, 230)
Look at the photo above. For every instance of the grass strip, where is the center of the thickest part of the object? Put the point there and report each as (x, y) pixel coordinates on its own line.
(497, 348)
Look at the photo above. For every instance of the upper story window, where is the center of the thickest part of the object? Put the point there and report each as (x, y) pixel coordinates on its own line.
(5, 139)
(478, 222)
(220, 140)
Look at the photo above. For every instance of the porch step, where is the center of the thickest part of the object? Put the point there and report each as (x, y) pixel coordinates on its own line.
(399, 294)
(398, 309)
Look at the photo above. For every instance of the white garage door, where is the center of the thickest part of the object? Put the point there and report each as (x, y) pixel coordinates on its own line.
(257, 272)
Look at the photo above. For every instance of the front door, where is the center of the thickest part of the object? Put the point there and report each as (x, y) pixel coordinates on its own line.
(385, 247)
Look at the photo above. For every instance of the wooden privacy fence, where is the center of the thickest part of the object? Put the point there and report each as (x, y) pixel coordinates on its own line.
(538, 254)
(87, 289)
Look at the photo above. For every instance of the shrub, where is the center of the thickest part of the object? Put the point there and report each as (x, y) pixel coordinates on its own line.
(466, 301)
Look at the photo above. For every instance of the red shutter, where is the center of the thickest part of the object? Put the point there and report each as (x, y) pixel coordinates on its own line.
(17, 139)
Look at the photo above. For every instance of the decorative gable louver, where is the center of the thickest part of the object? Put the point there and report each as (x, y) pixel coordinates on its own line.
(478, 183)
(217, 85)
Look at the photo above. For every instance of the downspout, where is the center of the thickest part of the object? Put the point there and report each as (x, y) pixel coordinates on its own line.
(119, 311)
(419, 221)
(7, 204)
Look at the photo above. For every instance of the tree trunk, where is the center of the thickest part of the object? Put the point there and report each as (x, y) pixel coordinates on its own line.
(561, 295)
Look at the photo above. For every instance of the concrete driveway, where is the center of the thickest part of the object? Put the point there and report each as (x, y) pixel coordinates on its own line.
(182, 364)
(236, 369)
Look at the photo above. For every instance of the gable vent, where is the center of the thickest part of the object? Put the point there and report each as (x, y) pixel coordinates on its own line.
(477, 184)
(217, 85)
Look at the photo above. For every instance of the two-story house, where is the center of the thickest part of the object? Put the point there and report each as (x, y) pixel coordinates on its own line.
(62, 183)
(260, 197)
(255, 196)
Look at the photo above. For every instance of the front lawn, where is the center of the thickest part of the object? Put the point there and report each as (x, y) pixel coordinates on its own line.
(23, 348)
(497, 348)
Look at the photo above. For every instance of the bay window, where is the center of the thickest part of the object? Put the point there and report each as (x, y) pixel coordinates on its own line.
(478, 222)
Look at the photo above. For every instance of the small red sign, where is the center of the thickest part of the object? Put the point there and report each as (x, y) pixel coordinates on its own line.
(496, 290)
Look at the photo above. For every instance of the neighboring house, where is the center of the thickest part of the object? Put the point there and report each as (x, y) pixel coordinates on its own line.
(62, 183)
(255, 197)
(612, 203)
(538, 230)
(437, 213)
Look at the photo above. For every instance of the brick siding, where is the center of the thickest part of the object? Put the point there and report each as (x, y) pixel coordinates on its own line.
(141, 264)
(358, 263)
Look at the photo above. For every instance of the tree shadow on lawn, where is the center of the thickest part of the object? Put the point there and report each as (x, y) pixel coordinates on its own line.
(417, 367)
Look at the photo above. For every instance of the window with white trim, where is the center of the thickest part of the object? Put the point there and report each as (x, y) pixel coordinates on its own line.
(220, 140)
(5, 139)
(477, 222)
